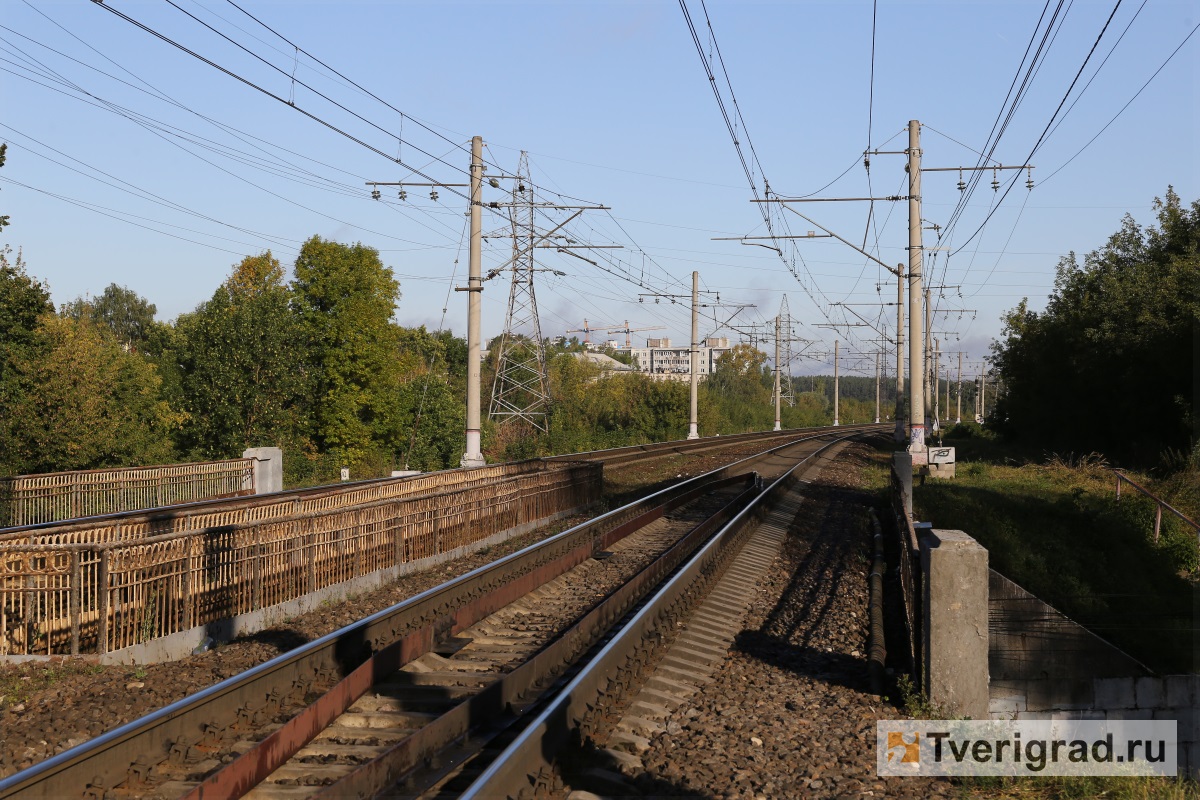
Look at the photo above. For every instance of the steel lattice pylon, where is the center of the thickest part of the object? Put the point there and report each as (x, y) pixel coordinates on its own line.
(787, 393)
(521, 390)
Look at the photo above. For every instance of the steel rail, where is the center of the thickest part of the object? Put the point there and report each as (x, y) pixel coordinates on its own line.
(194, 727)
(525, 767)
(680, 446)
(487, 708)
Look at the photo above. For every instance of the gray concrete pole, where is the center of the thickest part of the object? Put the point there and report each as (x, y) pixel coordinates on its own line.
(877, 388)
(693, 429)
(473, 457)
(983, 394)
(958, 396)
(778, 367)
(947, 394)
(899, 434)
(836, 344)
(916, 336)
(936, 379)
(928, 363)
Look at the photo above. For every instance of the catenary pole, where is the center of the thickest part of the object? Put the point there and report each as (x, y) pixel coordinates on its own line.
(899, 435)
(836, 344)
(473, 457)
(877, 356)
(693, 428)
(958, 394)
(778, 373)
(916, 336)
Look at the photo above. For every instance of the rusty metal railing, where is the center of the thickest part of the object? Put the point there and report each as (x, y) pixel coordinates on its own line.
(75, 597)
(1159, 504)
(50, 497)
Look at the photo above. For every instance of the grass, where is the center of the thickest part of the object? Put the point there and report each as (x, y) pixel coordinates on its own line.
(1063, 788)
(19, 682)
(1056, 529)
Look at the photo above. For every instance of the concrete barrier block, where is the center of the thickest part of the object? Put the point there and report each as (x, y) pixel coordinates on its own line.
(1181, 690)
(1131, 714)
(1060, 695)
(1006, 707)
(1115, 693)
(1149, 693)
(955, 646)
(1189, 754)
(1185, 719)
(1035, 715)
(268, 469)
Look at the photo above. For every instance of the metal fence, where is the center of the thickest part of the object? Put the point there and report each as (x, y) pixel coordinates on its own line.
(50, 497)
(1160, 505)
(101, 589)
(909, 567)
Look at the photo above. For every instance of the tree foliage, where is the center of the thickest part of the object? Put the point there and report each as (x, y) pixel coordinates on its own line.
(238, 354)
(344, 298)
(123, 311)
(1116, 341)
(80, 401)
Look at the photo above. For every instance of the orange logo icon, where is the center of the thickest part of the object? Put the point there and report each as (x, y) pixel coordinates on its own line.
(911, 750)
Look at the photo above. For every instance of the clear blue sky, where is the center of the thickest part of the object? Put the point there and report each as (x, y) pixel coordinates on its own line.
(612, 103)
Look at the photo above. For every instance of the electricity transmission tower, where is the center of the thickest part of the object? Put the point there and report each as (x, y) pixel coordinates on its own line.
(787, 392)
(521, 389)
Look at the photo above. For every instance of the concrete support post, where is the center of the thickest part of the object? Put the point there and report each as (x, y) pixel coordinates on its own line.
(268, 469)
(916, 335)
(473, 457)
(693, 427)
(954, 646)
(958, 394)
(778, 374)
(836, 345)
(877, 355)
(983, 396)
(899, 433)
(902, 465)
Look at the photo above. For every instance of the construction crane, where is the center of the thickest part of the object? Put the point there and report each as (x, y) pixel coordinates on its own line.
(628, 330)
(587, 330)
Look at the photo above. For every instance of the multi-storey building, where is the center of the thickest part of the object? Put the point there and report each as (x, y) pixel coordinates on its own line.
(663, 362)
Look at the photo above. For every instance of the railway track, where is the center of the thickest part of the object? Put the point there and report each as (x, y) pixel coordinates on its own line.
(362, 708)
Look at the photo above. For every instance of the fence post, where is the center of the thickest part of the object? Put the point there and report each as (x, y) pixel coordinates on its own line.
(189, 612)
(1118, 486)
(256, 599)
(102, 602)
(1157, 521)
(74, 598)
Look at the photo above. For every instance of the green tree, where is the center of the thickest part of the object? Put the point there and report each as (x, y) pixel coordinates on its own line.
(344, 298)
(123, 311)
(83, 402)
(1116, 339)
(240, 356)
(22, 300)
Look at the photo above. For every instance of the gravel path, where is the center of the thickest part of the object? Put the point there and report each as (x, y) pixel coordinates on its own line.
(790, 714)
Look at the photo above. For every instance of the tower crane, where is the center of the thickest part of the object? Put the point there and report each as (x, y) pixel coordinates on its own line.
(628, 330)
(587, 330)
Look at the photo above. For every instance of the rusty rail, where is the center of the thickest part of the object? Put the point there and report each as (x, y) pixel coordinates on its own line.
(1160, 504)
(54, 496)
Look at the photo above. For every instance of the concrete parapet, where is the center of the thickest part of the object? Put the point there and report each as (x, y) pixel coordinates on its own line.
(955, 632)
(902, 465)
(268, 469)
